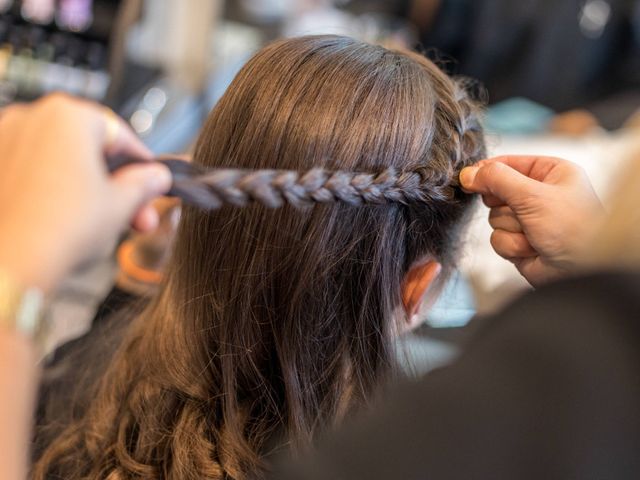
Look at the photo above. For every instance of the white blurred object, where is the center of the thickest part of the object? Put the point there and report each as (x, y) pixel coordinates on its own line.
(176, 35)
(268, 10)
(455, 306)
(271, 11)
(75, 301)
(38, 11)
(232, 46)
(370, 27)
(141, 121)
(322, 19)
(594, 17)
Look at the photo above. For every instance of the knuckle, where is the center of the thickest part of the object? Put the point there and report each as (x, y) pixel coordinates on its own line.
(491, 201)
(56, 98)
(497, 240)
(507, 255)
(580, 168)
(492, 169)
(520, 245)
(59, 101)
(500, 211)
(504, 218)
(67, 108)
(510, 245)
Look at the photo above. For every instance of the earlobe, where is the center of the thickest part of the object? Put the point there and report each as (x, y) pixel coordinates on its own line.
(416, 284)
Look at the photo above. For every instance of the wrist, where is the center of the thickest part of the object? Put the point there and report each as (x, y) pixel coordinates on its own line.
(21, 309)
(18, 387)
(28, 263)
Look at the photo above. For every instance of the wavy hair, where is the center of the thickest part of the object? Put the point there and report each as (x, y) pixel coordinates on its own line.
(272, 325)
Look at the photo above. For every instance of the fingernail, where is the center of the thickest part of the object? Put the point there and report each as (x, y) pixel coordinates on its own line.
(467, 175)
(158, 179)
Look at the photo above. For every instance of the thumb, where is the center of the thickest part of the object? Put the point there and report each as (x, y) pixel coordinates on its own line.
(135, 185)
(498, 180)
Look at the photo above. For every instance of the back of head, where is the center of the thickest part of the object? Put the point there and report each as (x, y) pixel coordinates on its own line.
(274, 323)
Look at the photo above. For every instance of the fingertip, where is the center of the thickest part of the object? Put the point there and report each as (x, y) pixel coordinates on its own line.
(133, 187)
(131, 144)
(121, 139)
(159, 179)
(146, 220)
(148, 179)
(467, 177)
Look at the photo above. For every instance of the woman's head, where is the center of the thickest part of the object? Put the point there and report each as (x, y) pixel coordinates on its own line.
(339, 104)
(273, 323)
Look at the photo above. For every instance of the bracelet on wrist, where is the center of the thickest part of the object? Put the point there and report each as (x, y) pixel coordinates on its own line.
(21, 309)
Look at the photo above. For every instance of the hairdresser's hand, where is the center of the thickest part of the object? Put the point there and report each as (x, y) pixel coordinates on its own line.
(542, 210)
(58, 205)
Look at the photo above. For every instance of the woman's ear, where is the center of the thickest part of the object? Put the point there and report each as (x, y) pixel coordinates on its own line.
(415, 285)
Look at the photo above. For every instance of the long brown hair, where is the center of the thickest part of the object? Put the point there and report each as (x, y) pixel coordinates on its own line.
(272, 324)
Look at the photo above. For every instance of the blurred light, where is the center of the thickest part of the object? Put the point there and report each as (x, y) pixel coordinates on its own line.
(38, 11)
(142, 121)
(75, 15)
(268, 10)
(5, 5)
(155, 99)
(594, 18)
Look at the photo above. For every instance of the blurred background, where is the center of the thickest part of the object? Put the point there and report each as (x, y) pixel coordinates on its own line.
(561, 77)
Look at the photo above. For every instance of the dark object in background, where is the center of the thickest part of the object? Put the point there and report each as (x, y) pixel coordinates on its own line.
(56, 50)
(564, 54)
(549, 389)
(71, 49)
(62, 385)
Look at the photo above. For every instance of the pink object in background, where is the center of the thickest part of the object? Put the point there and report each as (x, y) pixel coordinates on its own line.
(38, 11)
(5, 5)
(75, 15)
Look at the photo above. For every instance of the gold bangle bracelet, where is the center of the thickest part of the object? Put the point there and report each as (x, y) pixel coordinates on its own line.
(21, 308)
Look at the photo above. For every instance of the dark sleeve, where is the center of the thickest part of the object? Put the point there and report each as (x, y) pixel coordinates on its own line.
(549, 389)
(621, 81)
(614, 110)
(543, 50)
(403, 7)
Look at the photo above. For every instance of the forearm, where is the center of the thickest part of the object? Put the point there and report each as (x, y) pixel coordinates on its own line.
(18, 382)
(28, 259)
(23, 275)
(50, 222)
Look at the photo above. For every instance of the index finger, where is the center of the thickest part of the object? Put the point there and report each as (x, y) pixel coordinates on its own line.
(119, 138)
(496, 181)
(532, 166)
(111, 134)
